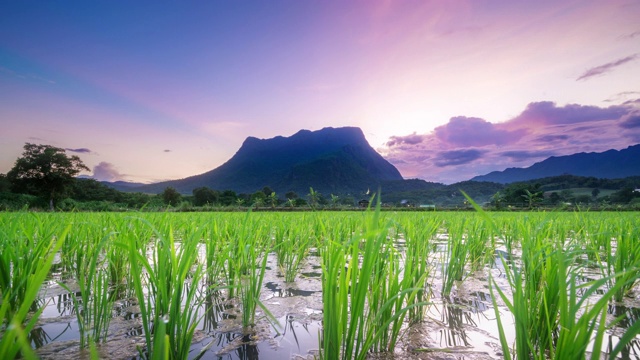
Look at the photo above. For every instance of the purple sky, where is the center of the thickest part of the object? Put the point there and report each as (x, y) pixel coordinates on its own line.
(445, 90)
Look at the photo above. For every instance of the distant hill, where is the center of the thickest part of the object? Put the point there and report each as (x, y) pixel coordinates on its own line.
(331, 160)
(123, 185)
(611, 164)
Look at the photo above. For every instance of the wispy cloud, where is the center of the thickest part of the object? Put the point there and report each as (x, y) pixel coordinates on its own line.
(525, 154)
(80, 150)
(167, 150)
(599, 70)
(466, 146)
(630, 36)
(105, 171)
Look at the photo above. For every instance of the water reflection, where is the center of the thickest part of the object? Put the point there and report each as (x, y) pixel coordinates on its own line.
(627, 317)
(457, 315)
(59, 331)
(287, 292)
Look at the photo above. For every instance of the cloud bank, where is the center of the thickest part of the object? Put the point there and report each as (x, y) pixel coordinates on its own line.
(469, 146)
(105, 171)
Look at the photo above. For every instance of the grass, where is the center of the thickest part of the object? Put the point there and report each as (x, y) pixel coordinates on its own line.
(377, 274)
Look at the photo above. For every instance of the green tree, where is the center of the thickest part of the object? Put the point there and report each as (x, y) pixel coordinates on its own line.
(273, 199)
(204, 195)
(5, 185)
(595, 192)
(171, 196)
(267, 191)
(291, 195)
(313, 198)
(335, 200)
(228, 198)
(258, 198)
(45, 171)
(532, 198)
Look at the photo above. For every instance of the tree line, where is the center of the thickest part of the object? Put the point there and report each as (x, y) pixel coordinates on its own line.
(46, 177)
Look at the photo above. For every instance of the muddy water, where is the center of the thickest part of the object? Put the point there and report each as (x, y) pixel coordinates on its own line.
(462, 326)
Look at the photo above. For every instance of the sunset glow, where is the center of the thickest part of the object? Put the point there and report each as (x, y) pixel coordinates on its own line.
(149, 91)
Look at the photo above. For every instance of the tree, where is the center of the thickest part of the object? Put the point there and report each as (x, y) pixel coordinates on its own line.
(335, 200)
(595, 192)
(5, 185)
(171, 196)
(204, 195)
(228, 198)
(45, 171)
(532, 197)
(273, 199)
(267, 191)
(291, 195)
(313, 198)
(258, 199)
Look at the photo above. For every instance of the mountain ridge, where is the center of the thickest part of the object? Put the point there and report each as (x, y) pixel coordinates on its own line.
(609, 164)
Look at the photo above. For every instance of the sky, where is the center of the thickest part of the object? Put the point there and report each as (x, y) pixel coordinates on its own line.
(445, 90)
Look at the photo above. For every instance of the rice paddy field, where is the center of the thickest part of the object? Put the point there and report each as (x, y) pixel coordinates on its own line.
(320, 285)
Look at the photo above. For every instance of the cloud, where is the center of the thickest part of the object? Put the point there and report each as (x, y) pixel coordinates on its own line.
(167, 150)
(547, 113)
(551, 138)
(457, 157)
(622, 96)
(599, 70)
(470, 131)
(105, 171)
(631, 122)
(80, 150)
(630, 36)
(520, 155)
(408, 139)
(467, 146)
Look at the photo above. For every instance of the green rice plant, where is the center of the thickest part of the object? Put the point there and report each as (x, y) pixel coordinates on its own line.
(624, 259)
(362, 307)
(17, 321)
(480, 244)
(25, 245)
(418, 234)
(93, 309)
(167, 291)
(249, 261)
(580, 325)
(215, 240)
(291, 249)
(455, 258)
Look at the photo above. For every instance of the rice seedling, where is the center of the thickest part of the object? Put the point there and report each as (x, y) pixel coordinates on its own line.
(292, 247)
(93, 309)
(168, 297)
(18, 295)
(624, 258)
(363, 294)
(455, 258)
(25, 246)
(480, 244)
(418, 234)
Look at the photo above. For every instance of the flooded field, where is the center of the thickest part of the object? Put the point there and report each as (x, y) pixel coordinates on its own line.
(322, 285)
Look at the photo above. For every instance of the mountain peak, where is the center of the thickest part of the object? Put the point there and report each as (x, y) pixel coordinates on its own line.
(331, 160)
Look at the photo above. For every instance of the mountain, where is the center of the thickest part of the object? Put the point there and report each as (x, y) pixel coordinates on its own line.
(611, 164)
(331, 160)
(123, 185)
